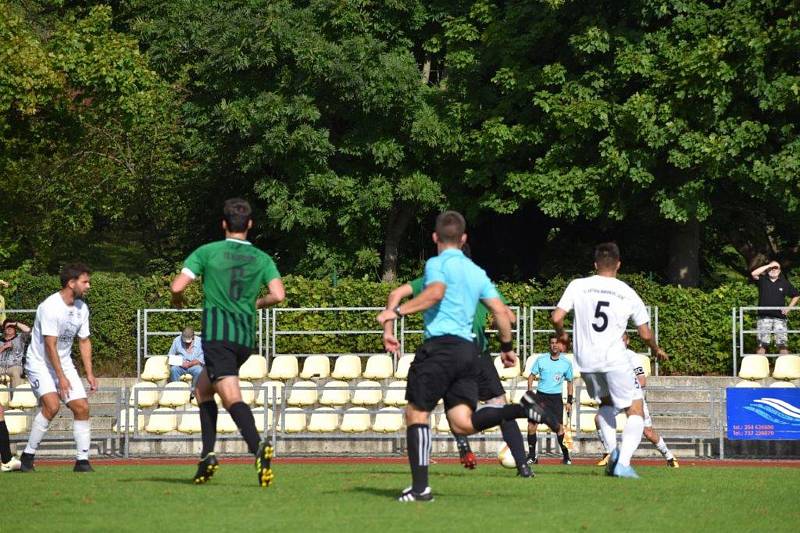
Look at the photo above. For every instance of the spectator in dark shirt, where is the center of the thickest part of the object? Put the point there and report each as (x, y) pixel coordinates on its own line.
(773, 289)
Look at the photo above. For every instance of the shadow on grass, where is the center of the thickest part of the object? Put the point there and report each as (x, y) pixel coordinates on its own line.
(375, 491)
(173, 480)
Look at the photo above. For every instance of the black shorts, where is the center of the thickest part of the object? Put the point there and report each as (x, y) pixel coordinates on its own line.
(553, 405)
(224, 358)
(444, 367)
(489, 384)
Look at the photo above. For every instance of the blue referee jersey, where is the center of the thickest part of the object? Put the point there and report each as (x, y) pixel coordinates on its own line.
(552, 374)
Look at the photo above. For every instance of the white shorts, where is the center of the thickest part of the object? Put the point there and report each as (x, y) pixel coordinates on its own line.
(43, 381)
(620, 384)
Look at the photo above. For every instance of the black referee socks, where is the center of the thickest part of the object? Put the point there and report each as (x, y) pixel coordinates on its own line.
(5, 444)
(418, 437)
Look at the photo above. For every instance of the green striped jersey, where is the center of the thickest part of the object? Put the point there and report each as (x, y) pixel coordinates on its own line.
(233, 274)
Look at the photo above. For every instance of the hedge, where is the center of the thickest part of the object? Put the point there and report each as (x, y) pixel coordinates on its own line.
(694, 325)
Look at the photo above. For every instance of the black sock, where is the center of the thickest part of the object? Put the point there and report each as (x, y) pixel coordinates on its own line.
(418, 437)
(5, 443)
(463, 444)
(564, 450)
(532, 444)
(491, 416)
(513, 437)
(243, 416)
(208, 426)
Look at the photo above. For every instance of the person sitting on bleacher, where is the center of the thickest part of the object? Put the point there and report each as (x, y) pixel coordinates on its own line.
(190, 349)
(16, 337)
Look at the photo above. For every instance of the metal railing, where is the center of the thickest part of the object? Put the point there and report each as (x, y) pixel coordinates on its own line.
(741, 318)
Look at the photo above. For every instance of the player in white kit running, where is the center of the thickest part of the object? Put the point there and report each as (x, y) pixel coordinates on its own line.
(52, 375)
(603, 305)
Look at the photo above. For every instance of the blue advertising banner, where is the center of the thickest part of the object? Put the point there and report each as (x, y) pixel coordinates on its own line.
(763, 414)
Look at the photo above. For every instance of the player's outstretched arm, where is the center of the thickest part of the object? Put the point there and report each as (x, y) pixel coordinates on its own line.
(277, 294)
(430, 296)
(390, 342)
(85, 348)
(177, 287)
(760, 270)
(647, 336)
(557, 318)
(502, 317)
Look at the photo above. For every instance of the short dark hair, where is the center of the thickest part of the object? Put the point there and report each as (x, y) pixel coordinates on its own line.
(6, 322)
(606, 255)
(237, 214)
(450, 226)
(72, 271)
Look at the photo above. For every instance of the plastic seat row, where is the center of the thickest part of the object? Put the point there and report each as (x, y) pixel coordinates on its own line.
(745, 384)
(165, 420)
(757, 367)
(23, 397)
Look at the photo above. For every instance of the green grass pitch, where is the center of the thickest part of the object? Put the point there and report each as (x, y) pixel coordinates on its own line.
(360, 497)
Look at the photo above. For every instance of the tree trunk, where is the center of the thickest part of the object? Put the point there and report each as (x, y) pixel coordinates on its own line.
(684, 255)
(426, 70)
(395, 228)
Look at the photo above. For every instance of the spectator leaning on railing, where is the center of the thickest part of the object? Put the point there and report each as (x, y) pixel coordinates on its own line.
(773, 289)
(16, 337)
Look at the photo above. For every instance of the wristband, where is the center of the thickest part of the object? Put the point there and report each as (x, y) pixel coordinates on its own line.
(397, 312)
(506, 346)
(570, 398)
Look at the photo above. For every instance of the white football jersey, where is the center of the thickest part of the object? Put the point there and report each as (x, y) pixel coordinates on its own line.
(54, 318)
(603, 306)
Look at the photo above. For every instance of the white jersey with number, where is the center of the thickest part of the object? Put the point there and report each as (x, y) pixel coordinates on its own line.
(54, 318)
(603, 306)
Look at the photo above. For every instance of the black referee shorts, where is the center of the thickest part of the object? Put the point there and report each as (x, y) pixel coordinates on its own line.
(553, 406)
(224, 358)
(444, 367)
(489, 384)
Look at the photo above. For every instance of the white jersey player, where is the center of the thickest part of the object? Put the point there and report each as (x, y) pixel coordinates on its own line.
(603, 305)
(59, 319)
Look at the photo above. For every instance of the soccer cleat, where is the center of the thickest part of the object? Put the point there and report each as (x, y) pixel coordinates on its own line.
(603, 461)
(625, 471)
(409, 495)
(612, 462)
(469, 461)
(206, 468)
(533, 460)
(264, 462)
(673, 463)
(535, 412)
(26, 462)
(11, 465)
(524, 470)
(82, 465)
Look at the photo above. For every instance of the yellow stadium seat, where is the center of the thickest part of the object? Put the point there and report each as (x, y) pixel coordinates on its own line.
(571, 357)
(175, 394)
(787, 367)
(248, 392)
(646, 364)
(403, 364)
(225, 423)
(355, 420)
(506, 373)
(5, 395)
(367, 393)
(186, 378)
(144, 394)
(396, 393)
(16, 421)
(189, 421)
(442, 425)
(622, 419)
(379, 367)
(269, 393)
(156, 369)
(588, 400)
(754, 367)
(303, 393)
(323, 420)
(528, 364)
(388, 420)
(316, 366)
(258, 414)
(293, 420)
(746, 384)
(586, 422)
(126, 420)
(517, 392)
(347, 367)
(522, 424)
(23, 397)
(284, 367)
(335, 393)
(162, 420)
(254, 369)
(782, 385)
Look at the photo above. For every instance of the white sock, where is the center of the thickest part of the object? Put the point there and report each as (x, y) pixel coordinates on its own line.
(38, 430)
(82, 430)
(631, 437)
(662, 447)
(608, 427)
(602, 441)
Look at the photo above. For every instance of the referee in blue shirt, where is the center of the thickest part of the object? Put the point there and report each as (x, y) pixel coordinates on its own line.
(552, 370)
(445, 364)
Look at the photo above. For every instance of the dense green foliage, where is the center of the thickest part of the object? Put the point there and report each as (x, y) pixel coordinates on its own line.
(694, 325)
(667, 125)
(329, 497)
